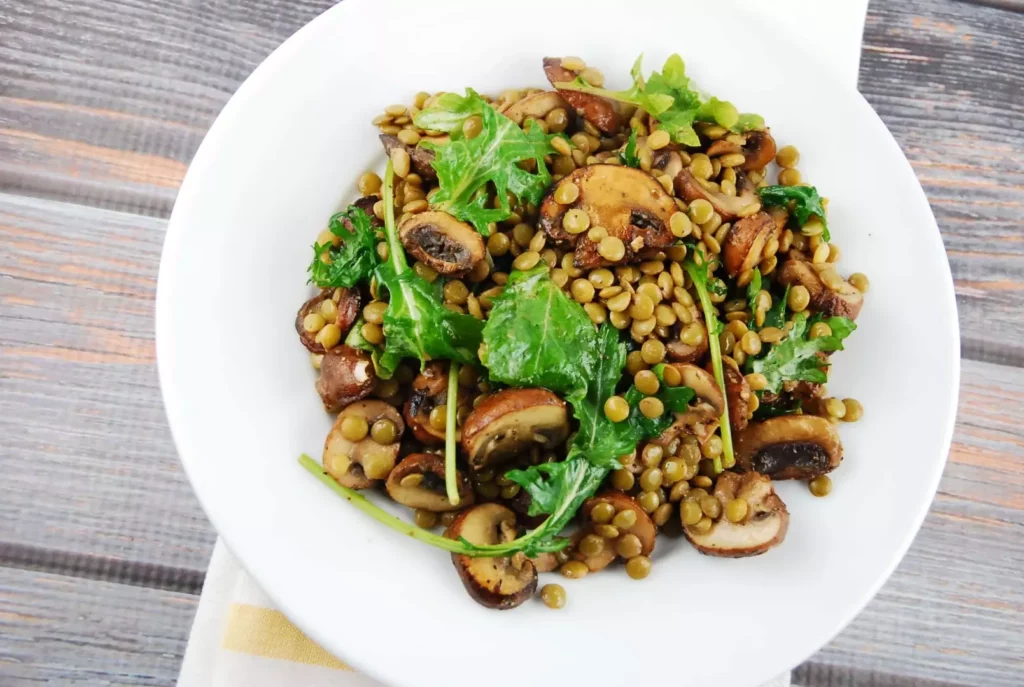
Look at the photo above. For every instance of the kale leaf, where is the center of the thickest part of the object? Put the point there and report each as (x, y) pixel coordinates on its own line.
(351, 262)
(796, 358)
(803, 203)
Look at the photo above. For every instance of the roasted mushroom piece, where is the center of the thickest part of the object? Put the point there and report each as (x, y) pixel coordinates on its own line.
(763, 527)
(429, 391)
(743, 247)
(709, 402)
(599, 111)
(343, 315)
(667, 160)
(758, 151)
(738, 393)
(636, 523)
(789, 447)
(536, 106)
(743, 204)
(628, 203)
(346, 375)
(510, 422)
(421, 158)
(418, 482)
(500, 583)
(352, 453)
(444, 243)
(831, 295)
(681, 352)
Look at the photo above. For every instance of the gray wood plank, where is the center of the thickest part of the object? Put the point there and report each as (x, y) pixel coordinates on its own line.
(58, 630)
(88, 462)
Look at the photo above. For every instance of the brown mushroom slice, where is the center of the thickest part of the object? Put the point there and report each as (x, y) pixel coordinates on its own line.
(644, 528)
(763, 528)
(709, 402)
(421, 158)
(743, 204)
(418, 482)
(359, 464)
(758, 151)
(680, 352)
(347, 301)
(595, 562)
(628, 203)
(346, 376)
(536, 106)
(444, 243)
(789, 447)
(601, 112)
(500, 583)
(743, 247)
(545, 562)
(510, 422)
(831, 295)
(667, 160)
(428, 391)
(738, 393)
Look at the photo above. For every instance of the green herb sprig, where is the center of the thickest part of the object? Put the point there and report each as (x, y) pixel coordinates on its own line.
(351, 262)
(803, 202)
(796, 358)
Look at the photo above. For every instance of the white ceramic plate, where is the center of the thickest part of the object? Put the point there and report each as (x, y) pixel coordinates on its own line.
(284, 155)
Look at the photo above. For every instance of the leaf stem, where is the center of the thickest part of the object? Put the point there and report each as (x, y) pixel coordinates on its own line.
(450, 483)
(396, 254)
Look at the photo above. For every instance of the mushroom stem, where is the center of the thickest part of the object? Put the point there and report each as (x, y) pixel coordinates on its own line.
(450, 482)
(711, 319)
(396, 253)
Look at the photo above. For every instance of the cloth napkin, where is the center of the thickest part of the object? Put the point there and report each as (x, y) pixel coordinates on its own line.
(239, 639)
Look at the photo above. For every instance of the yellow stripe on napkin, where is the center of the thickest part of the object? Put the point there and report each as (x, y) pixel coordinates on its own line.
(265, 632)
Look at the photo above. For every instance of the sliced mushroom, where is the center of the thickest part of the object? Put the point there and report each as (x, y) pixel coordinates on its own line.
(545, 562)
(743, 204)
(763, 528)
(595, 562)
(429, 390)
(626, 202)
(789, 447)
(346, 375)
(418, 482)
(366, 204)
(536, 106)
(667, 160)
(680, 352)
(347, 301)
(510, 422)
(737, 391)
(758, 151)
(444, 243)
(709, 402)
(831, 295)
(500, 583)
(743, 247)
(421, 158)
(643, 528)
(359, 464)
(599, 111)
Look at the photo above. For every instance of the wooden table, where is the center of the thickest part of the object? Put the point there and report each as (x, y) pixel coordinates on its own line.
(102, 545)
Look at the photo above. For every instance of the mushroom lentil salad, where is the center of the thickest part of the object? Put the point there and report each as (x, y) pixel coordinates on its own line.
(579, 306)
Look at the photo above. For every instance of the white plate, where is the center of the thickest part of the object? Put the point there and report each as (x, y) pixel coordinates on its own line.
(284, 155)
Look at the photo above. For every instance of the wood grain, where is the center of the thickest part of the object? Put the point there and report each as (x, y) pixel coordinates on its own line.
(109, 110)
(87, 459)
(59, 630)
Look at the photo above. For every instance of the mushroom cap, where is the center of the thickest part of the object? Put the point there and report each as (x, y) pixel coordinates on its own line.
(536, 106)
(763, 528)
(346, 375)
(680, 352)
(509, 422)
(345, 460)
(644, 528)
(444, 243)
(758, 151)
(599, 111)
(421, 158)
(789, 447)
(430, 493)
(709, 401)
(629, 203)
(492, 582)
(429, 389)
(744, 244)
(738, 393)
(744, 203)
(347, 301)
(841, 299)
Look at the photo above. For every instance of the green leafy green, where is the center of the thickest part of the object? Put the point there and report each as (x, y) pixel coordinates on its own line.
(628, 156)
(675, 399)
(803, 203)
(776, 315)
(795, 358)
(538, 336)
(416, 323)
(467, 168)
(770, 410)
(754, 288)
(725, 114)
(697, 267)
(351, 262)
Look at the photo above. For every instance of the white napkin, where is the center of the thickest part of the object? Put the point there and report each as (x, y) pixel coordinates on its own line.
(238, 638)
